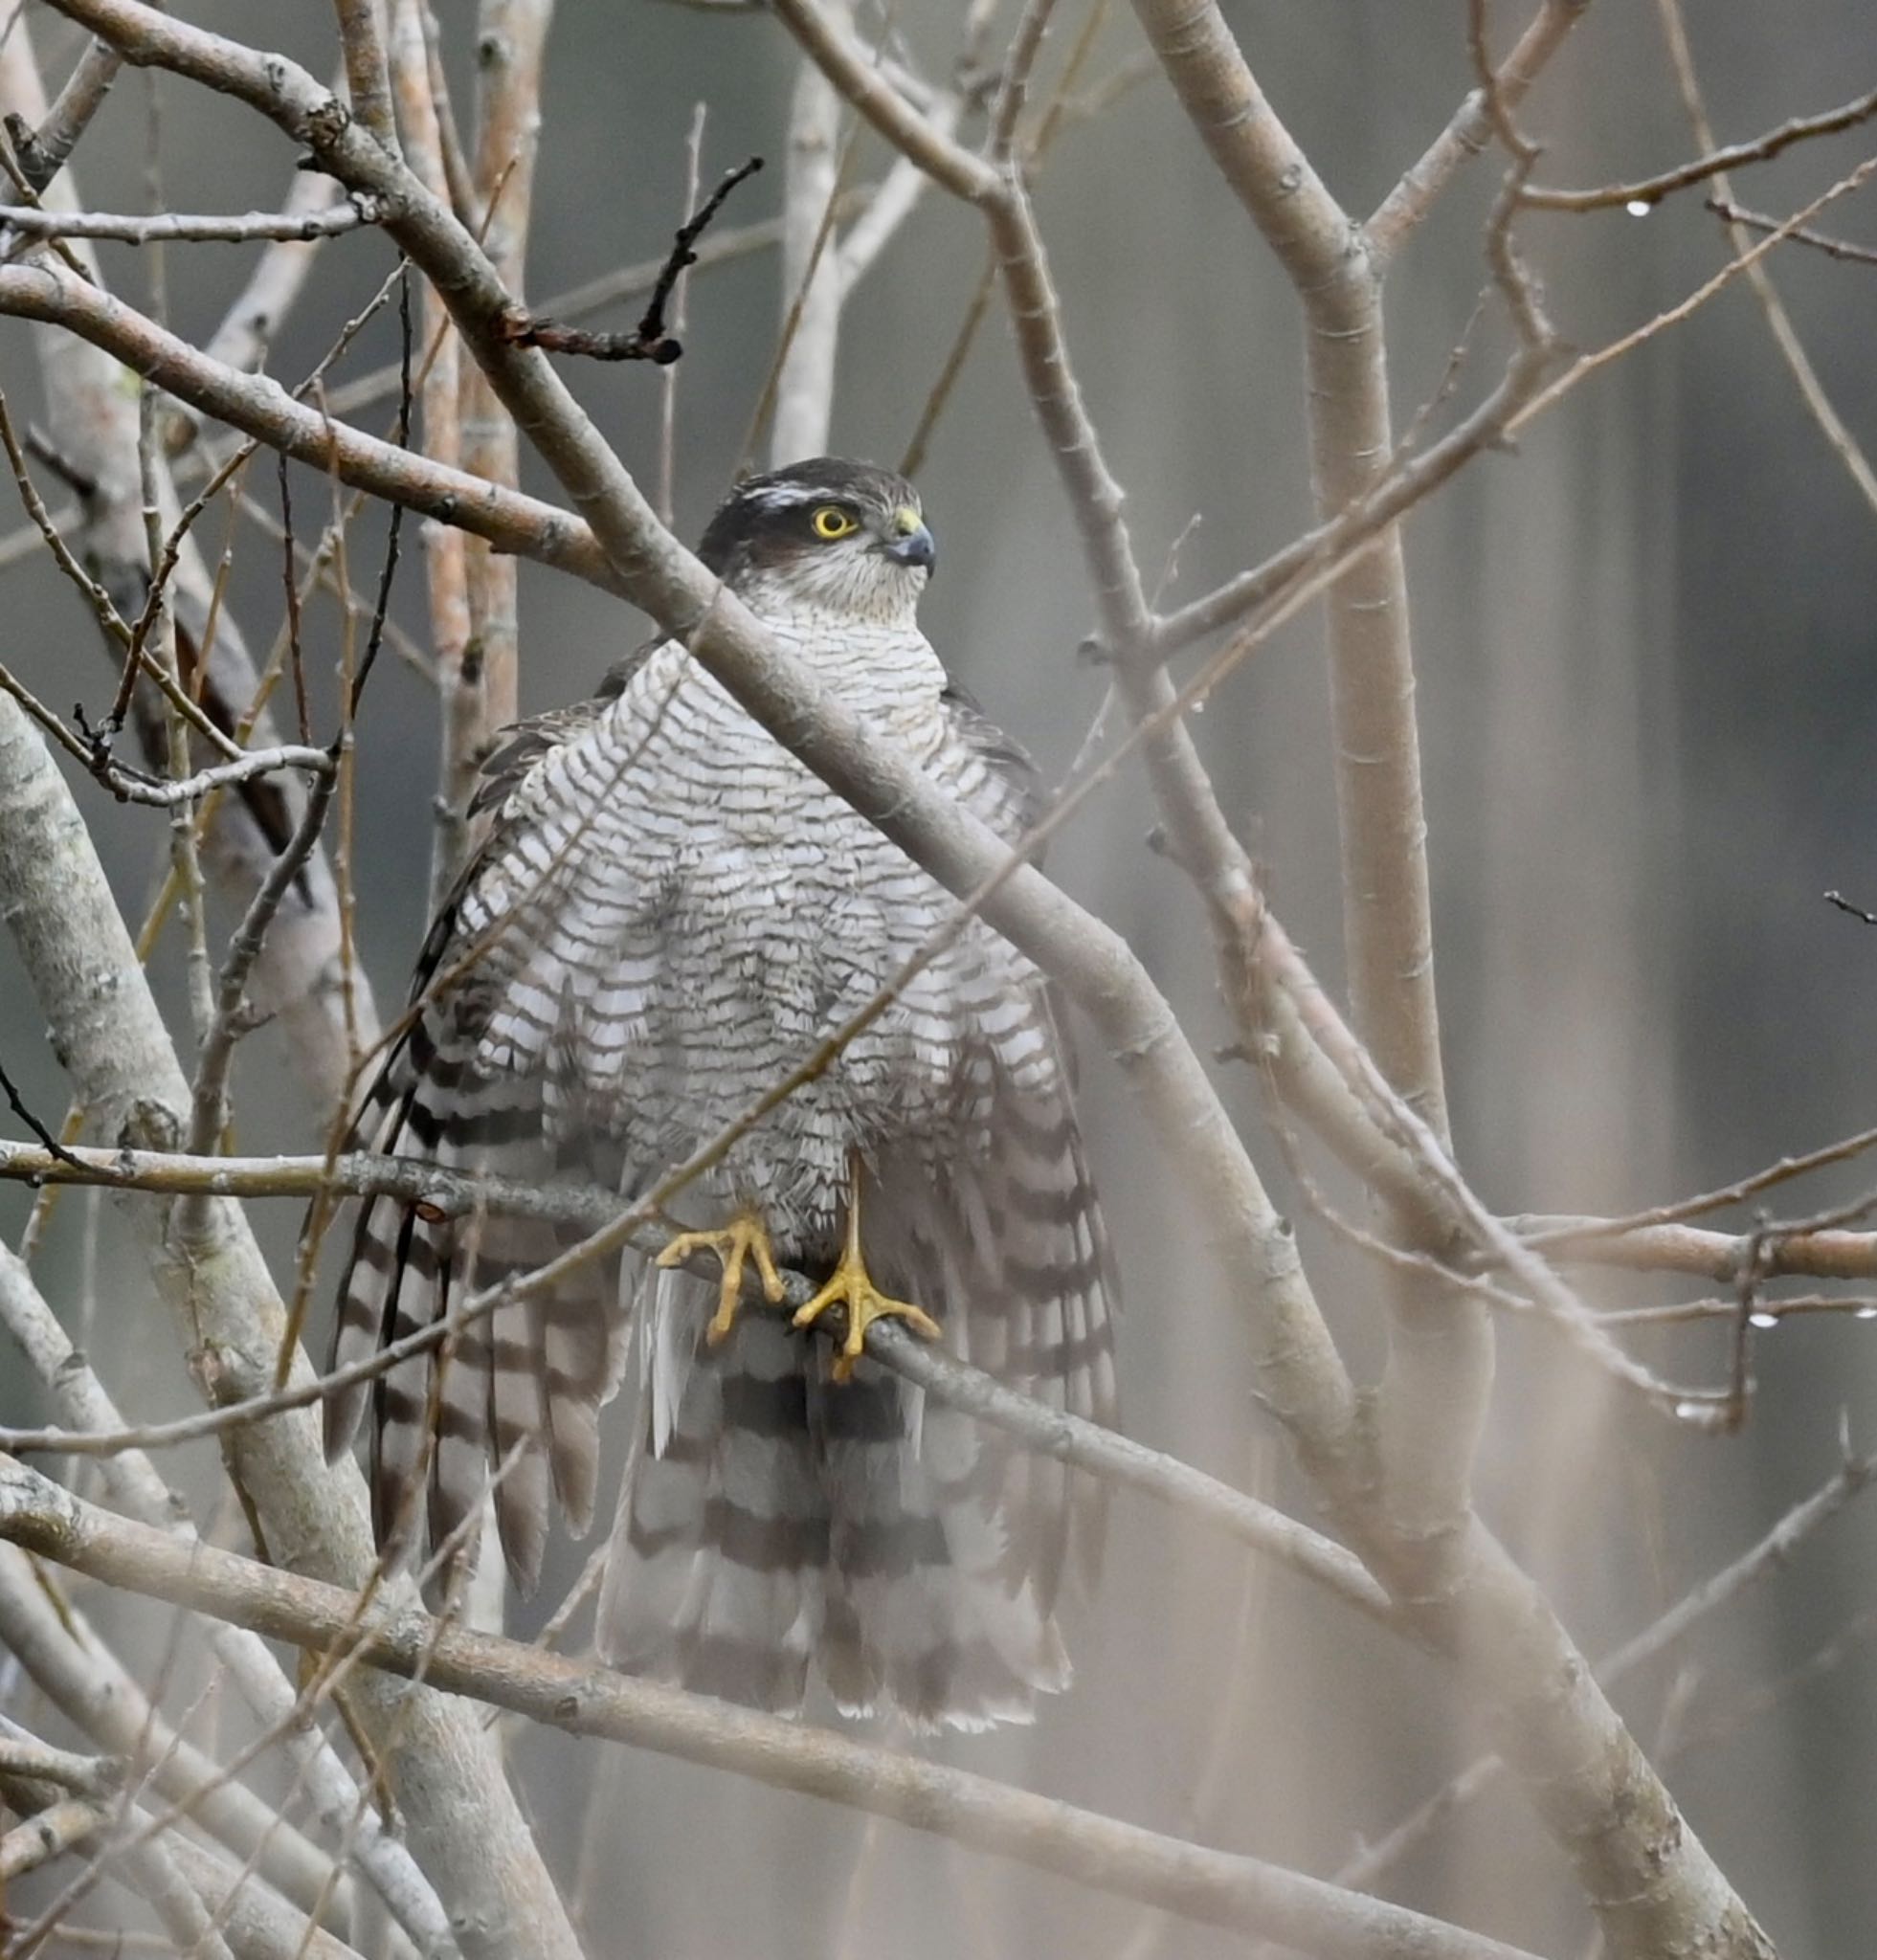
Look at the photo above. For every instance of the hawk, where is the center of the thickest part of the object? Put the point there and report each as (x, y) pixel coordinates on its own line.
(667, 913)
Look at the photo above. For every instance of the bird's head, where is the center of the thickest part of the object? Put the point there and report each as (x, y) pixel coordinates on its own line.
(828, 533)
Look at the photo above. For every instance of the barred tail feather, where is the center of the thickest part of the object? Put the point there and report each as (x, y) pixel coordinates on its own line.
(772, 1516)
(922, 1618)
(950, 1552)
(714, 1580)
(515, 1394)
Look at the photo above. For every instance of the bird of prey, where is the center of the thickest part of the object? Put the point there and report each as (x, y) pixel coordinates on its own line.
(667, 913)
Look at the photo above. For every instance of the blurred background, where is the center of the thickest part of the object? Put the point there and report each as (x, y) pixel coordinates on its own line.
(1648, 660)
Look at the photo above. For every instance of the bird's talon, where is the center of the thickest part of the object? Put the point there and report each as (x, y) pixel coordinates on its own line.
(744, 1237)
(851, 1288)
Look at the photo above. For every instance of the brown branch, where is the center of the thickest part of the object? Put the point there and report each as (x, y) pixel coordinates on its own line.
(1820, 1255)
(1615, 350)
(49, 1835)
(627, 283)
(259, 407)
(1781, 1172)
(42, 152)
(1799, 234)
(368, 79)
(857, 77)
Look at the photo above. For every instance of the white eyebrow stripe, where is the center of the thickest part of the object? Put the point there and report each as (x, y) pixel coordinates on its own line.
(789, 496)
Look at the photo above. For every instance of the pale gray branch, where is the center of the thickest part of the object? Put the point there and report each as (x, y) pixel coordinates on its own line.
(156, 226)
(1648, 191)
(462, 1819)
(135, 1487)
(1050, 1430)
(1209, 1886)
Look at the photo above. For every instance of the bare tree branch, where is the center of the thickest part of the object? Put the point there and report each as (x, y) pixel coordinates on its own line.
(298, 973)
(1785, 336)
(153, 227)
(464, 1821)
(1053, 1432)
(811, 285)
(1441, 1350)
(1648, 191)
(1402, 212)
(481, 687)
(1209, 1886)
(361, 37)
(1799, 234)
(1651, 1879)
(43, 152)
(1770, 1555)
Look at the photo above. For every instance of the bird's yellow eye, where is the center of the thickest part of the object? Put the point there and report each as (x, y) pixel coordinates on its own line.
(832, 521)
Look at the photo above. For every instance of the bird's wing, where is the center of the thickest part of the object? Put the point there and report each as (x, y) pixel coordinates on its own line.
(470, 1084)
(988, 770)
(950, 1544)
(1042, 1306)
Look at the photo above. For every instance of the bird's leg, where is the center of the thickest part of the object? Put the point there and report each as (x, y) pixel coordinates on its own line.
(746, 1237)
(851, 1288)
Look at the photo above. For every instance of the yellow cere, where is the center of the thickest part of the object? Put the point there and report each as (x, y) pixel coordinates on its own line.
(906, 521)
(832, 521)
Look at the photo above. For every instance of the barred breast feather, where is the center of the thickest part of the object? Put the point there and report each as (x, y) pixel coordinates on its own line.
(667, 915)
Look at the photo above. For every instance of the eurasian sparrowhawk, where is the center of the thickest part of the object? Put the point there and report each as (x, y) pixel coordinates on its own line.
(666, 916)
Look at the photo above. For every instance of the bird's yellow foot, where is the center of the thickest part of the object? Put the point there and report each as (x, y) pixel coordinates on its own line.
(852, 1288)
(744, 1237)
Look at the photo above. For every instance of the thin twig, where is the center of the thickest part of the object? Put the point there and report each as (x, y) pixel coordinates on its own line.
(1801, 234)
(50, 1143)
(679, 299)
(1831, 425)
(1649, 190)
(649, 340)
(1781, 1171)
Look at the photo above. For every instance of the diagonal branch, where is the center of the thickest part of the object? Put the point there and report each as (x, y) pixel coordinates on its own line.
(1433, 1397)
(1467, 135)
(297, 974)
(1208, 1886)
(465, 1824)
(1648, 191)
(1049, 1430)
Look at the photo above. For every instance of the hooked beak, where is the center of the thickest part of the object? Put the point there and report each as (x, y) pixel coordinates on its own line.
(913, 548)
